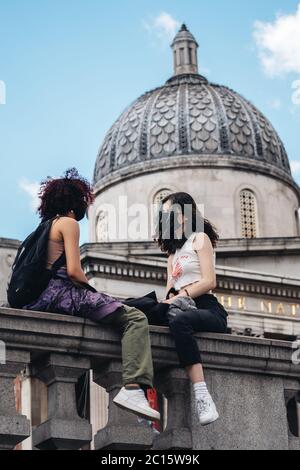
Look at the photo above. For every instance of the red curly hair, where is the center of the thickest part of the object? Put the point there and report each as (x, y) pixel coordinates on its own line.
(61, 195)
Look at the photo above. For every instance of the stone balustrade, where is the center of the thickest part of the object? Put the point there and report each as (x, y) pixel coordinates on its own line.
(253, 381)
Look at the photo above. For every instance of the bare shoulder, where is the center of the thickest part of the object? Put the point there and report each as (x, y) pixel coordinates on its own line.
(170, 259)
(67, 221)
(64, 224)
(202, 242)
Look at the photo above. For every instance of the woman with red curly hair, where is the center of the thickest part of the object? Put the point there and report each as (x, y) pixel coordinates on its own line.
(66, 200)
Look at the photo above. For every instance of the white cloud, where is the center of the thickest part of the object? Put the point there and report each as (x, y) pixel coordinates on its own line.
(296, 92)
(275, 104)
(31, 189)
(279, 44)
(163, 27)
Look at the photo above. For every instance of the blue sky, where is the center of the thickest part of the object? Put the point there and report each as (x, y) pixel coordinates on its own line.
(70, 67)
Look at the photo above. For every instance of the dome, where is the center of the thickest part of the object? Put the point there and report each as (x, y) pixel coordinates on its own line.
(191, 118)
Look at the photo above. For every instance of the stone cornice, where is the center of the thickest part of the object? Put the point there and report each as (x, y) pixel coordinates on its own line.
(9, 243)
(119, 267)
(153, 271)
(226, 246)
(259, 246)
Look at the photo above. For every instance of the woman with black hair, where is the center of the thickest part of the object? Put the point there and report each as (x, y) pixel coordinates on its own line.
(65, 201)
(189, 241)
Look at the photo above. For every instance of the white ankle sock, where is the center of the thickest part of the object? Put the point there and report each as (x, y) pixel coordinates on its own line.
(129, 390)
(200, 390)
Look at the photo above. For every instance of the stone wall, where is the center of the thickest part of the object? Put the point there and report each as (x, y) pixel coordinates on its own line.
(254, 382)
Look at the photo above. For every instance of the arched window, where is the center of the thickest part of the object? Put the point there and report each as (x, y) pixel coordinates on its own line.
(160, 195)
(102, 227)
(248, 206)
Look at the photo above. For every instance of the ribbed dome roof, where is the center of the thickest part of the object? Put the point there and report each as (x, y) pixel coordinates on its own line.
(189, 116)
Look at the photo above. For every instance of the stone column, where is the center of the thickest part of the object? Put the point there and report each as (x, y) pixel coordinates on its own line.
(64, 429)
(14, 428)
(174, 384)
(123, 431)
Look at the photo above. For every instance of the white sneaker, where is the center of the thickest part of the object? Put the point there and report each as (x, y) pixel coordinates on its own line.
(207, 410)
(135, 401)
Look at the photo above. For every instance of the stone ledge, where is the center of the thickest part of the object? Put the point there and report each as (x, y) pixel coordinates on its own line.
(40, 332)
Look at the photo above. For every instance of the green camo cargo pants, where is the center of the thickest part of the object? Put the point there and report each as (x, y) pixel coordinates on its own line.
(136, 347)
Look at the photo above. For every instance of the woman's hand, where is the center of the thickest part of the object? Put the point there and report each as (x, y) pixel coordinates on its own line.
(169, 301)
(183, 293)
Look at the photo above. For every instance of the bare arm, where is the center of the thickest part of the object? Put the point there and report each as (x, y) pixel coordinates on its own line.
(70, 232)
(170, 269)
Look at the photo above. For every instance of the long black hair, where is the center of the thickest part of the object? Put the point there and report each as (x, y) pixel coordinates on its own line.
(166, 224)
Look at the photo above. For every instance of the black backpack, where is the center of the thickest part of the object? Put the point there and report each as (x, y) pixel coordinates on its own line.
(29, 274)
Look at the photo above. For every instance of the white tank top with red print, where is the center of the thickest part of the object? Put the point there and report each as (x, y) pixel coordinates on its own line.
(186, 265)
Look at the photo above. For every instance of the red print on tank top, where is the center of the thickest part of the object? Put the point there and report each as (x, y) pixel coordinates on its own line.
(178, 268)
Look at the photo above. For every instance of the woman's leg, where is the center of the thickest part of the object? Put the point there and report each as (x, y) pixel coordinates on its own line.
(195, 373)
(136, 361)
(183, 326)
(136, 346)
